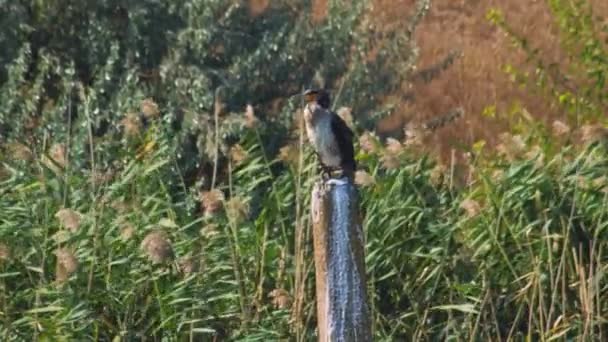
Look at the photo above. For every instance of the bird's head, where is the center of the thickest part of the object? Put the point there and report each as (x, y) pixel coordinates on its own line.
(317, 96)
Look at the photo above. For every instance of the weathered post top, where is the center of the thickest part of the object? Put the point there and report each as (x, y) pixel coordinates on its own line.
(342, 306)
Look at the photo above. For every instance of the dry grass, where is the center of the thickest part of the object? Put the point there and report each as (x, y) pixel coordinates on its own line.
(476, 80)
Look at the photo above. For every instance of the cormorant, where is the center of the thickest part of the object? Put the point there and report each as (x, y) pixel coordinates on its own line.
(329, 135)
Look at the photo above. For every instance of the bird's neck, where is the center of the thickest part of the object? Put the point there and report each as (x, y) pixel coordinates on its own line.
(314, 113)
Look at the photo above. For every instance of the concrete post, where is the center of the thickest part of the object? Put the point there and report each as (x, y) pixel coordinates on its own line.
(342, 304)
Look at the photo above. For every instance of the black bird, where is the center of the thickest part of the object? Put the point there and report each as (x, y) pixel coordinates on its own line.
(329, 135)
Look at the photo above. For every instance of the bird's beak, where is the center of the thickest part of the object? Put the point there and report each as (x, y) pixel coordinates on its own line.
(310, 95)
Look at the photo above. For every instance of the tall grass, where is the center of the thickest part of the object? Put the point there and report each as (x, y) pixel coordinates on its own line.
(517, 252)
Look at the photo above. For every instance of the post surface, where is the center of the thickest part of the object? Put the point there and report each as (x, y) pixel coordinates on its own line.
(342, 306)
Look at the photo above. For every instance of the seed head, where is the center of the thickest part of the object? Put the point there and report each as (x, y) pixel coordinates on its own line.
(66, 265)
(497, 175)
(238, 154)
(237, 209)
(437, 174)
(560, 128)
(157, 247)
(69, 219)
(393, 146)
(363, 178)
(149, 108)
(280, 298)
(212, 201)
(414, 135)
(188, 265)
(127, 232)
(511, 146)
(392, 152)
(471, 207)
(131, 125)
(368, 142)
(536, 153)
(390, 161)
(593, 133)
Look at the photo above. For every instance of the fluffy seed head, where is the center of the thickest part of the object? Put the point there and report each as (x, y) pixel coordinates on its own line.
(149, 108)
(66, 265)
(131, 125)
(471, 207)
(414, 135)
(69, 219)
(363, 178)
(593, 133)
(127, 232)
(390, 161)
(157, 247)
(280, 298)
(393, 146)
(237, 209)
(368, 142)
(238, 154)
(188, 265)
(560, 128)
(212, 201)
(536, 153)
(511, 146)
(437, 174)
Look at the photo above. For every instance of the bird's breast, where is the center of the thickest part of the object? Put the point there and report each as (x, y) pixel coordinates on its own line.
(321, 137)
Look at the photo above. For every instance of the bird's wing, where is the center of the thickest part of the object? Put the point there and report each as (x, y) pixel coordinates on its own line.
(340, 127)
(344, 138)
